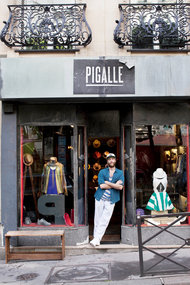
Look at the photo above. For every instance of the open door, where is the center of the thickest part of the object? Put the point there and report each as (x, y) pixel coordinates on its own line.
(98, 148)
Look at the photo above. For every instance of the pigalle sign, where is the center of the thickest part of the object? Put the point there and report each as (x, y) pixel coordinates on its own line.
(103, 77)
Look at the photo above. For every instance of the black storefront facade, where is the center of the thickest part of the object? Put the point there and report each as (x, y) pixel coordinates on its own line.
(78, 110)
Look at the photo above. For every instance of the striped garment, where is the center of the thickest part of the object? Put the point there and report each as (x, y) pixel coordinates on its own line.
(106, 196)
(107, 193)
(159, 201)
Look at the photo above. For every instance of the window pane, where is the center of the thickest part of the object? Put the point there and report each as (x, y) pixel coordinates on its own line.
(163, 147)
(81, 176)
(46, 176)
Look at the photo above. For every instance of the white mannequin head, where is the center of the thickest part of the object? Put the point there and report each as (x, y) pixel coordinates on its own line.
(160, 180)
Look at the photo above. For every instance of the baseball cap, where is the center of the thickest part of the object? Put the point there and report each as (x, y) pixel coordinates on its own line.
(111, 155)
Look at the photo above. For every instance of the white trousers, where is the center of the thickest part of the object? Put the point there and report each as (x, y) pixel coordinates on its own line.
(102, 216)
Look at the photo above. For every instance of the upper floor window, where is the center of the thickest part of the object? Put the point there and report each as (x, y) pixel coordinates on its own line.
(153, 26)
(47, 27)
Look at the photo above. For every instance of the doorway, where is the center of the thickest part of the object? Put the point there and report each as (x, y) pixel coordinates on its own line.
(103, 138)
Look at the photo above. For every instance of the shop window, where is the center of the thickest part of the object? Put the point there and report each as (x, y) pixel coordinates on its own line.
(166, 147)
(46, 176)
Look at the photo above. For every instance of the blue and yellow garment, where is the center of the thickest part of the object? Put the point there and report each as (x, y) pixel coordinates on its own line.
(54, 180)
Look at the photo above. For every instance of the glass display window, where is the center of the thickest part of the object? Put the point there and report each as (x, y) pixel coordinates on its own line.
(46, 175)
(161, 168)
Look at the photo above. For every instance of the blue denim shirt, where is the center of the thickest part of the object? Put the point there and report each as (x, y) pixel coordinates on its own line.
(104, 176)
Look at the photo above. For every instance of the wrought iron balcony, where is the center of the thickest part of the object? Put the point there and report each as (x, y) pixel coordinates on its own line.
(46, 27)
(153, 26)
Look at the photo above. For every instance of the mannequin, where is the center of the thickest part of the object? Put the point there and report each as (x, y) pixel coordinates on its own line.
(159, 202)
(53, 175)
(53, 184)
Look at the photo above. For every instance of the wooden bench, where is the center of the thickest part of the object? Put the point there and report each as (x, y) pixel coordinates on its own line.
(34, 255)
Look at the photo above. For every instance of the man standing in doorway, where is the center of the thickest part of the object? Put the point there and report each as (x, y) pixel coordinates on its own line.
(110, 182)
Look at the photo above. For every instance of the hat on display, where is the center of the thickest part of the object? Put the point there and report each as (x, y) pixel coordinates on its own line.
(159, 174)
(28, 159)
(88, 166)
(160, 180)
(96, 143)
(111, 142)
(97, 155)
(53, 158)
(96, 166)
(105, 154)
(95, 178)
(111, 155)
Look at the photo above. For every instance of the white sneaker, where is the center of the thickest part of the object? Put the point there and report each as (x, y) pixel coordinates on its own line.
(43, 222)
(94, 242)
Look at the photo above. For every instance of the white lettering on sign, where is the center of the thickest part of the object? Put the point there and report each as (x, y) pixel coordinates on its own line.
(104, 76)
(98, 76)
(88, 73)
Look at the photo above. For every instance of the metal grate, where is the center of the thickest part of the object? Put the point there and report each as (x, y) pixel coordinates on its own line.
(79, 273)
(153, 26)
(170, 257)
(42, 27)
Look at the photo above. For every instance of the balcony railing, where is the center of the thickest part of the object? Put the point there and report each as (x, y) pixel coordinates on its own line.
(153, 26)
(46, 27)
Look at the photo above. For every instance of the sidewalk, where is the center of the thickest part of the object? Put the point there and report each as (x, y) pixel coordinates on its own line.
(98, 269)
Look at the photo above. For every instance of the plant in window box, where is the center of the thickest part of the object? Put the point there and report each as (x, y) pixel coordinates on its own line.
(60, 45)
(170, 38)
(36, 43)
(142, 37)
(172, 42)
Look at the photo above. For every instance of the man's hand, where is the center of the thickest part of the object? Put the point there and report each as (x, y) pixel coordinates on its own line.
(103, 186)
(118, 185)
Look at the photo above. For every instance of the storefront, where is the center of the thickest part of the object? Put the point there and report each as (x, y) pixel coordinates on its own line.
(61, 116)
